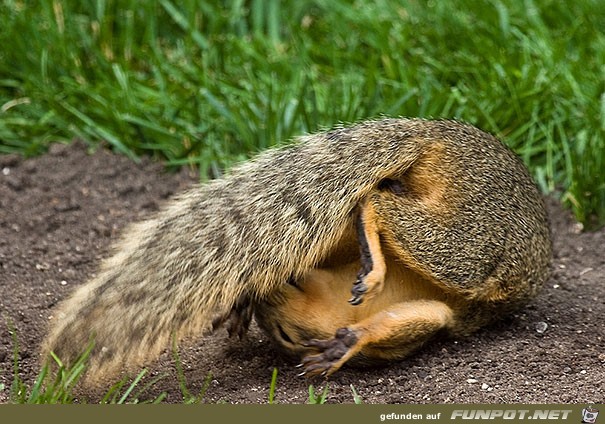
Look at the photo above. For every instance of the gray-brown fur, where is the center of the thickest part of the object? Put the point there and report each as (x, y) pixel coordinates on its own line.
(487, 234)
(485, 237)
(276, 217)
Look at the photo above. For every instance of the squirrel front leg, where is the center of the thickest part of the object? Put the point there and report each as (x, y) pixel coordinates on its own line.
(389, 334)
(370, 278)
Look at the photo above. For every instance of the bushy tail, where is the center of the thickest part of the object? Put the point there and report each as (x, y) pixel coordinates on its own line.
(241, 236)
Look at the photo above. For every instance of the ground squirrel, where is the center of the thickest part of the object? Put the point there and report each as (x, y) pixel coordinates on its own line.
(357, 243)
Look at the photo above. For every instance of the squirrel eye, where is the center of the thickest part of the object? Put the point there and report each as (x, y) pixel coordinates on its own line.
(391, 185)
(283, 335)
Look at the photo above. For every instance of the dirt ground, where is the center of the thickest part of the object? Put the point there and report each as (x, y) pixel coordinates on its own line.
(60, 212)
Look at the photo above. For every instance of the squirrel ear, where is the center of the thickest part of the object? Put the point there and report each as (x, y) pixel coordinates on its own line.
(394, 186)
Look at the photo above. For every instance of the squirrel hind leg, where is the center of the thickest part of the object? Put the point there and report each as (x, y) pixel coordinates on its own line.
(391, 334)
(370, 278)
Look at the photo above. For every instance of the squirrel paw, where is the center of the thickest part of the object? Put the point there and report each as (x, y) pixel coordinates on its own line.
(333, 353)
(358, 290)
(238, 319)
(366, 286)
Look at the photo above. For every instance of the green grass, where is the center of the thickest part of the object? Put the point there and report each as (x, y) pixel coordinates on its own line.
(210, 83)
(316, 398)
(56, 383)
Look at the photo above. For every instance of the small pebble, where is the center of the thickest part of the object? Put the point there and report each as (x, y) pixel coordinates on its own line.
(541, 327)
(485, 386)
(6, 171)
(472, 381)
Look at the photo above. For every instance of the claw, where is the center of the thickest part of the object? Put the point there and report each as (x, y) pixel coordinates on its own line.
(355, 300)
(359, 289)
(331, 353)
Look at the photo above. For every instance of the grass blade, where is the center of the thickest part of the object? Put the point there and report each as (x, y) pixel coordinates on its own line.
(272, 387)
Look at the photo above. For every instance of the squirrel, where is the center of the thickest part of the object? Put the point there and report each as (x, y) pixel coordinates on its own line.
(424, 226)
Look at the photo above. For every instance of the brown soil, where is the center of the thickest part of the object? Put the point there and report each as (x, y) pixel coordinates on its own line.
(59, 213)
